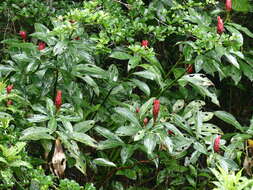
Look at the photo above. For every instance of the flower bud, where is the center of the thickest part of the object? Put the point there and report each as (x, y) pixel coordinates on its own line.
(156, 108)
(216, 145)
(41, 46)
(9, 88)
(58, 99)
(9, 102)
(145, 121)
(23, 34)
(189, 69)
(220, 25)
(137, 110)
(228, 5)
(171, 132)
(144, 43)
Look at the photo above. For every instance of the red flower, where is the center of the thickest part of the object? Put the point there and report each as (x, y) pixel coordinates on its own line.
(58, 99)
(216, 145)
(145, 121)
(228, 5)
(9, 102)
(189, 69)
(41, 46)
(23, 34)
(220, 25)
(156, 108)
(137, 110)
(9, 88)
(144, 43)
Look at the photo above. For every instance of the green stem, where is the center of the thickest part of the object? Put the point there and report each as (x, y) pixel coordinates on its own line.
(173, 67)
(171, 84)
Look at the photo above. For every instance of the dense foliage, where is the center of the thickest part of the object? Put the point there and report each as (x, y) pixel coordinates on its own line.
(126, 95)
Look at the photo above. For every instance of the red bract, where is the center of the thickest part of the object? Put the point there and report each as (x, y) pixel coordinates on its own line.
(22, 34)
(144, 43)
(9, 88)
(41, 46)
(145, 121)
(189, 69)
(156, 108)
(58, 99)
(9, 102)
(228, 5)
(137, 110)
(220, 25)
(216, 145)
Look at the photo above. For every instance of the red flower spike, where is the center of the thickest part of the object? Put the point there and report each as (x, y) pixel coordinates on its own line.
(190, 69)
(9, 88)
(9, 102)
(23, 34)
(220, 25)
(145, 121)
(156, 108)
(58, 99)
(228, 5)
(144, 43)
(137, 110)
(216, 145)
(41, 46)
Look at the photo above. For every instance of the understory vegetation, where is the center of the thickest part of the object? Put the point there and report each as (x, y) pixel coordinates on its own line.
(126, 95)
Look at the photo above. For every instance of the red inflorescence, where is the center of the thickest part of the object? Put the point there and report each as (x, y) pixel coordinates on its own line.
(9, 88)
(58, 99)
(228, 5)
(216, 145)
(156, 108)
(144, 43)
(41, 46)
(23, 34)
(220, 25)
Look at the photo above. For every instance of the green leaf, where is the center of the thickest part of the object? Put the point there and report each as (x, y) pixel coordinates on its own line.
(150, 142)
(59, 48)
(40, 28)
(128, 115)
(127, 130)
(85, 139)
(133, 62)
(243, 29)
(146, 74)
(107, 134)
(84, 126)
(241, 5)
(129, 173)
(3, 160)
(20, 163)
(120, 55)
(52, 124)
(145, 107)
(103, 162)
(91, 82)
(228, 118)
(50, 106)
(232, 60)
(126, 152)
(38, 118)
(142, 86)
(36, 133)
(109, 143)
(179, 104)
